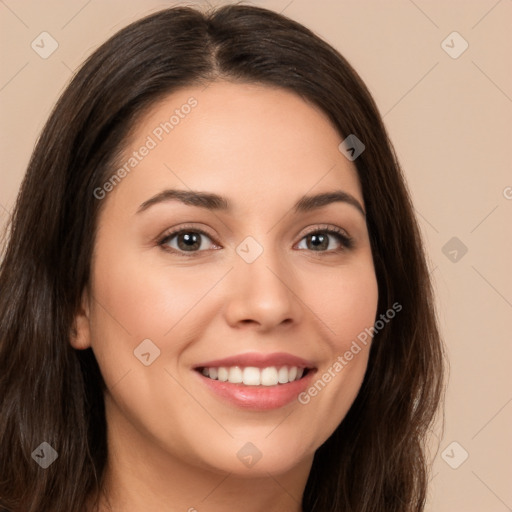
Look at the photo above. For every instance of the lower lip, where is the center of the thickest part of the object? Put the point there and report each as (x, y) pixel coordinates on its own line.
(261, 398)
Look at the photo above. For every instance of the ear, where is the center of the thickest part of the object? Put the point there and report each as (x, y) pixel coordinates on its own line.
(80, 336)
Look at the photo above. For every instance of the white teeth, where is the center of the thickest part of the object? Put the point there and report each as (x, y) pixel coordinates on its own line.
(235, 375)
(282, 376)
(269, 376)
(252, 376)
(223, 374)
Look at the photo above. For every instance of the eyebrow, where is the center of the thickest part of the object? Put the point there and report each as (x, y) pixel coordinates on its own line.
(215, 202)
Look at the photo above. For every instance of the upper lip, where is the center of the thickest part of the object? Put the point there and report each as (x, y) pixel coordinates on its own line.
(258, 360)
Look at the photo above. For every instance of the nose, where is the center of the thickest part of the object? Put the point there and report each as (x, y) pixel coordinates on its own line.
(262, 295)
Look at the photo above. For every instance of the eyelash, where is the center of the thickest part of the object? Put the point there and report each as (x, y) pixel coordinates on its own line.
(345, 241)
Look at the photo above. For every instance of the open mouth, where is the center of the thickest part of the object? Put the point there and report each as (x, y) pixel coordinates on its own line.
(253, 376)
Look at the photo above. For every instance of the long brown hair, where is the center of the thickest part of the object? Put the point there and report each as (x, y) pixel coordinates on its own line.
(375, 461)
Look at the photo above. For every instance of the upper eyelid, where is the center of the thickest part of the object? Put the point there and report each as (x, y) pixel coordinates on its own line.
(326, 227)
(309, 229)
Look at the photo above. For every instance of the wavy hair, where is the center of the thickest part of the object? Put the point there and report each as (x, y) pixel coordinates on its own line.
(375, 460)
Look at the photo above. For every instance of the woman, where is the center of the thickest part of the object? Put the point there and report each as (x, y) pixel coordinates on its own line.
(217, 291)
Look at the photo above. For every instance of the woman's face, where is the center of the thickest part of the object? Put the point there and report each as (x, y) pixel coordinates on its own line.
(262, 277)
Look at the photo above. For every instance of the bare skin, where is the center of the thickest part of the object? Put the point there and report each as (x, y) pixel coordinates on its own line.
(173, 443)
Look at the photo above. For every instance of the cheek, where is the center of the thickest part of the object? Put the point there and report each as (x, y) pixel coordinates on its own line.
(147, 299)
(345, 300)
(135, 300)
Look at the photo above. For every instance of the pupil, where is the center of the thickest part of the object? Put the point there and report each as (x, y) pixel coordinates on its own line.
(318, 238)
(191, 241)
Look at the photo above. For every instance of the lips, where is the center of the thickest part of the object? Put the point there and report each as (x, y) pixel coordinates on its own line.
(257, 381)
(258, 360)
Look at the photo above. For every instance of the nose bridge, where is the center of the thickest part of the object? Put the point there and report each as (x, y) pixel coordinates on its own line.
(262, 267)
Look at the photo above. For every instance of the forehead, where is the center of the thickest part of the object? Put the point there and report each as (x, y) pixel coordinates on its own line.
(250, 141)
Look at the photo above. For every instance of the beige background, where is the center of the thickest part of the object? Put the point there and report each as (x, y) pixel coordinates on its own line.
(450, 121)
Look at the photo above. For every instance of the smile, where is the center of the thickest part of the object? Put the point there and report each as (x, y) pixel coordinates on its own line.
(253, 376)
(257, 381)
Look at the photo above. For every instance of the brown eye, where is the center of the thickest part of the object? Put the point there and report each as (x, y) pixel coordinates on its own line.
(186, 240)
(321, 241)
